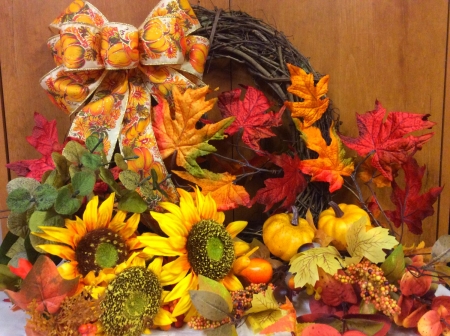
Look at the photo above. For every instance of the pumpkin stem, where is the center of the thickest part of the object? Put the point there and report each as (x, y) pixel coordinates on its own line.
(294, 220)
(337, 210)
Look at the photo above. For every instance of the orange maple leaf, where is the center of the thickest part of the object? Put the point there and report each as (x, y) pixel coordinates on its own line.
(331, 165)
(287, 323)
(226, 194)
(314, 103)
(180, 135)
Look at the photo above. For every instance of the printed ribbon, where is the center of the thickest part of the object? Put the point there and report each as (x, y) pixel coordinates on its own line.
(146, 61)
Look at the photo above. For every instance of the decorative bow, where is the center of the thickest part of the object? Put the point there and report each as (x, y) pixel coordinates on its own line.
(146, 61)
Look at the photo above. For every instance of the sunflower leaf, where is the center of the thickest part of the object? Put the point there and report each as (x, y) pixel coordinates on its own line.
(19, 200)
(92, 161)
(209, 285)
(210, 305)
(65, 204)
(132, 202)
(44, 196)
(83, 182)
(130, 179)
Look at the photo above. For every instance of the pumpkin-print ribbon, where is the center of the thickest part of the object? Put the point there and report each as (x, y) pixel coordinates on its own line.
(107, 72)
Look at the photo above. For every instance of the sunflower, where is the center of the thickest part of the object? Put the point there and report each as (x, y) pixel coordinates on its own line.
(132, 300)
(94, 243)
(199, 242)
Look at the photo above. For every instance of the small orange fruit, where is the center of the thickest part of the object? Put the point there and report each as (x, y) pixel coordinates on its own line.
(258, 271)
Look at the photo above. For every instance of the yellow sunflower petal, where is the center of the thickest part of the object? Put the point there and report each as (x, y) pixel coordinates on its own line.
(90, 214)
(207, 206)
(77, 226)
(118, 222)
(190, 213)
(189, 282)
(160, 246)
(57, 234)
(231, 282)
(163, 317)
(190, 314)
(61, 251)
(183, 305)
(174, 271)
(96, 292)
(105, 212)
(155, 266)
(172, 208)
(68, 270)
(240, 248)
(170, 224)
(220, 217)
(235, 228)
(130, 226)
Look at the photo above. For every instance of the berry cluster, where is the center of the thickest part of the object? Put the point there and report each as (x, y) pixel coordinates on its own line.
(87, 329)
(242, 300)
(375, 288)
(310, 290)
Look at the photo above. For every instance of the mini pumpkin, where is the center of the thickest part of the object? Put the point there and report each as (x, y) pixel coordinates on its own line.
(336, 220)
(284, 233)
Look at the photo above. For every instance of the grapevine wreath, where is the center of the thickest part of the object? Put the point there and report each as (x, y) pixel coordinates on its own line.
(121, 230)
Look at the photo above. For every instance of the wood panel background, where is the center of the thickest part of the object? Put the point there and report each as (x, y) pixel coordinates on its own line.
(393, 51)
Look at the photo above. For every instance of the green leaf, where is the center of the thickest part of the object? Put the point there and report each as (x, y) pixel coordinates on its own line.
(441, 249)
(127, 151)
(107, 177)
(65, 204)
(94, 144)
(32, 254)
(209, 285)
(8, 280)
(9, 241)
(18, 223)
(209, 305)
(61, 164)
(146, 190)
(368, 327)
(132, 202)
(43, 218)
(92, 161)
(19, 200)
(55, 179)
(44, 196)
(129, 179)
(83, 182)
(73, 151)
(394, 265)
(16, 248)
(22, 182)
(120, 162)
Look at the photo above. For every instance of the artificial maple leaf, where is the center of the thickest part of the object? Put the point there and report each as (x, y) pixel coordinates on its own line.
(335, 292)
(368, 173)
(180, 135)
(319, 329)
(314, 103)
(251, 115)
(284, 188)
(264, 311)
(386, 138)
(368, 244)
(331, 164)
(411, 206)
(305, 265)
(227, 194)
(287, 323)
(45, 285)
(45, 139)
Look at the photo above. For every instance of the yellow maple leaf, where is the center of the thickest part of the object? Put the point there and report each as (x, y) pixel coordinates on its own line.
(180, 134)
(227, 194)
(368, 244)
(264, 311)
(314, 103)
(331, 164)
(305, 265)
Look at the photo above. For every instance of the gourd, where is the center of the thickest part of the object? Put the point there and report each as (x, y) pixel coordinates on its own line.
(336, 220)
(284, 233)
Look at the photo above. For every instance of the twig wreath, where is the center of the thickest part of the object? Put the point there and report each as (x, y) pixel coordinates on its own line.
(265, 52)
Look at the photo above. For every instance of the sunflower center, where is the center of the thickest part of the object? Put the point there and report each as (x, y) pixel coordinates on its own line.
(99, 249)
(210, 249)
(131, 302)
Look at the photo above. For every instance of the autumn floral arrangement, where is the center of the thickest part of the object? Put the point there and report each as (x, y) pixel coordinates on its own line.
(120, 242)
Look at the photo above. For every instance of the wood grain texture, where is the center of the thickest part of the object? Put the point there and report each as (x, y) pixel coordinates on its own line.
(3, 171)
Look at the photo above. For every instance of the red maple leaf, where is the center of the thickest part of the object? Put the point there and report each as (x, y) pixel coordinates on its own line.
(45, 139)
(335, 292)
(386, 138)
(251, 115)
(411, 206)
(284, 188)
(43, 284)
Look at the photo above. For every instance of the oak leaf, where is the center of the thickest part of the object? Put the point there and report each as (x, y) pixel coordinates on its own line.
(314, 101)
(411, 206)
(305, 265)
(284, 188)
(386, 139)
(224, 191)
(368, 244)
(179, 135)
(45, 285)
(44, 138)
(331, 164)
(252, 115)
